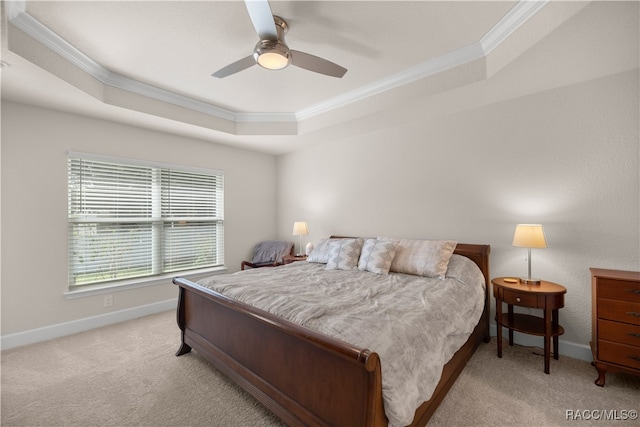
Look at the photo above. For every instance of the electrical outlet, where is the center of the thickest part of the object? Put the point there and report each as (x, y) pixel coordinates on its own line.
(108, 300)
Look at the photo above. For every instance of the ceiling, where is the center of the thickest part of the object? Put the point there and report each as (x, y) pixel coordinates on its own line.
(149, 63)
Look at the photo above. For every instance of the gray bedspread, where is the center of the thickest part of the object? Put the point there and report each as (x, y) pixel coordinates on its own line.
(415, 324)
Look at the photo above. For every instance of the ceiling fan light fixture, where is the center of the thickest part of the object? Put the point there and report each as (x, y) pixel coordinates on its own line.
(271, 52)
(273, 60)
(272, 55)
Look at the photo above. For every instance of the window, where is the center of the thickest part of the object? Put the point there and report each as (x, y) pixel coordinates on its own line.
(132, 219)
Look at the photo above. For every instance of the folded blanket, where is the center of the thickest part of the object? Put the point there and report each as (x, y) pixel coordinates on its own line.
(271, 251)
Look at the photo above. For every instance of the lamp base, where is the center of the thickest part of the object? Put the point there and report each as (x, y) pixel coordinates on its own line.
(530, 281)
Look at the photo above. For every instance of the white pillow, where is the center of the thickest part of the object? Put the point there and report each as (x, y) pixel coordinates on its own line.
(320, 253)
(376, 255)
(428, 258)
(344, 254)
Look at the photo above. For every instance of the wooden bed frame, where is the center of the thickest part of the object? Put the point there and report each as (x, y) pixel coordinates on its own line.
(305, 377)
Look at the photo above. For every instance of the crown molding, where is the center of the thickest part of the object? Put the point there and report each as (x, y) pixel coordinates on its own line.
(426, 69)
(514, 19)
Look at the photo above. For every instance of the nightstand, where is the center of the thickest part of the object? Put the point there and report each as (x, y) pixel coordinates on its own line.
(288, 259)
(547, 296)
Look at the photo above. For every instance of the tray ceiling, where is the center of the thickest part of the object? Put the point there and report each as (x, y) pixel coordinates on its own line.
(156, 57)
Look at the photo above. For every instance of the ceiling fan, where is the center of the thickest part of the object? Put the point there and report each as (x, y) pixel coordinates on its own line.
(272, 52)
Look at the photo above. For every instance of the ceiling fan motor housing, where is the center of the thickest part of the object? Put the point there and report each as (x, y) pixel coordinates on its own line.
(272, 54)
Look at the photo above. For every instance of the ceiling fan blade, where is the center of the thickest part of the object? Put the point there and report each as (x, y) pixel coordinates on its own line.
(235, 67)
(262, 19)
(316, 64)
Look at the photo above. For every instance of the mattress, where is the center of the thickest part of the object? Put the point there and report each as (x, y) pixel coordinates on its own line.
(414, 323)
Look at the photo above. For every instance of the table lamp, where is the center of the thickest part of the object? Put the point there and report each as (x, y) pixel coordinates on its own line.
(300, 229)
(529, 236)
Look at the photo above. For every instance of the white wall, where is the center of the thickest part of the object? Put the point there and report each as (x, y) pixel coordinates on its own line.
(552, 139)
(556, 158)
(35, 143)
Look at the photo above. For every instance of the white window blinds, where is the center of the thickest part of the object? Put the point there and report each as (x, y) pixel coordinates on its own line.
(136, 220)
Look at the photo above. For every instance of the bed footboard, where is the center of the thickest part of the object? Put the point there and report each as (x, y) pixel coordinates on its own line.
(304, 377)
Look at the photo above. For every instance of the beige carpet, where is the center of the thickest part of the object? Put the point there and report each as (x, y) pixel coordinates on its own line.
(127, 375)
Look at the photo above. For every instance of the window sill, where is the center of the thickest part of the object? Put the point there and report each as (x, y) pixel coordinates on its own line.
(91, 290)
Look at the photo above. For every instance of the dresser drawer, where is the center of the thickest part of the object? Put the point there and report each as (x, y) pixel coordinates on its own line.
(624, 290)
(619, 332)
(615, 297)
(620, 354)
(522, 299)
(621, 311)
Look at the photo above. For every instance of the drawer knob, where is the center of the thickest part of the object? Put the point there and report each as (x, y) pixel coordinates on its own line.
(518, 299)
(634, 291)
(633, 313)
(634, 335)
(636, 358)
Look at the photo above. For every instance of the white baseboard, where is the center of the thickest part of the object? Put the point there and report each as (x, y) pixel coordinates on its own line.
(67, 328)
(567, 348)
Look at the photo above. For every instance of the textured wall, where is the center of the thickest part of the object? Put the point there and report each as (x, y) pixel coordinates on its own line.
(566, 158)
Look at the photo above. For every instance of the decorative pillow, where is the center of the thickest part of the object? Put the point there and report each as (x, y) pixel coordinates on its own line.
(344, 254)
(377, 255)
(428, 258)
(320, 253)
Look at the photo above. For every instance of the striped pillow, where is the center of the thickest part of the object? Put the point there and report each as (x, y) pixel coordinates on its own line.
(377, 256)
(344, 254)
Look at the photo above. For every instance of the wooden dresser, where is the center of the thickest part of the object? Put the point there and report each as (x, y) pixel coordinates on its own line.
(615, 336)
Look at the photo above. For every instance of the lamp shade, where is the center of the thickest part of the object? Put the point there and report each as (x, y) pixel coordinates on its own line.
(300, 229)
(529, 236)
